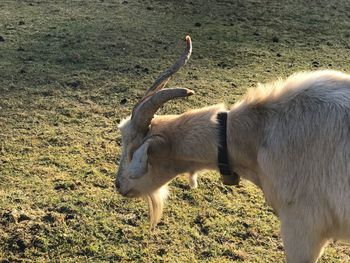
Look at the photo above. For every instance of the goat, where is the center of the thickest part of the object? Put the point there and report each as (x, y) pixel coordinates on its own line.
(291, 138)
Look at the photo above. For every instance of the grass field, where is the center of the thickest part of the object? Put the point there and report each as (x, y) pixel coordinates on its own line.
(70, 70)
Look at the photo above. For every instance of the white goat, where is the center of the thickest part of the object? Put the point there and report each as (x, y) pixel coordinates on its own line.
(291, 138)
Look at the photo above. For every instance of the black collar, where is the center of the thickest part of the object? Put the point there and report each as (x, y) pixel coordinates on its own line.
(227, 175)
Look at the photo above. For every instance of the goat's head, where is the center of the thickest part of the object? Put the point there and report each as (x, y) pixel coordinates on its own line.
(138, 175)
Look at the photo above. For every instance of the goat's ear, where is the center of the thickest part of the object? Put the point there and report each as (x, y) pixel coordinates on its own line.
(156, 146)
(139, 163)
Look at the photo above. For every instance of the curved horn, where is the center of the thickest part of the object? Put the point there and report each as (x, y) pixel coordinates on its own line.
(164, 78)
(143, 114)
(153, 99)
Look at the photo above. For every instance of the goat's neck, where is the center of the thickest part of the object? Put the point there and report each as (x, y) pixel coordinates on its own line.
(192, 136)
(193, 140)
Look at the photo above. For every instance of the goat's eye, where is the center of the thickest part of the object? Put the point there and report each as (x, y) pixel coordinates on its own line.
(131, 153)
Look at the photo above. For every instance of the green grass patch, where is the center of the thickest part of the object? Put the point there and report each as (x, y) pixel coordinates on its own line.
(71, 70)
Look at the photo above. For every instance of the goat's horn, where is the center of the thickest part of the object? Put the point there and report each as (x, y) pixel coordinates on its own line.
(144, 113)
(164, 78)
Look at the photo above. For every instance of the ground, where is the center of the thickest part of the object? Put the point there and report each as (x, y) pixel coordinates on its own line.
(71, 70)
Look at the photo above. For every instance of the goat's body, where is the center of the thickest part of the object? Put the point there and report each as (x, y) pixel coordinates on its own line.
(292, 139)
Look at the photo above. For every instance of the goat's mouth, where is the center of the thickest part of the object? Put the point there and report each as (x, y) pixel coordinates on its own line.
(130, 193)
